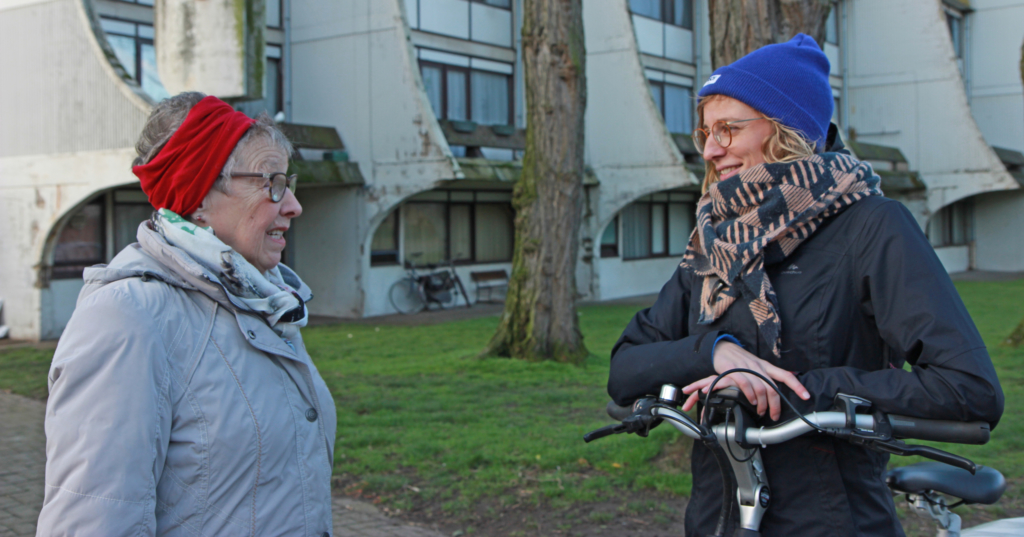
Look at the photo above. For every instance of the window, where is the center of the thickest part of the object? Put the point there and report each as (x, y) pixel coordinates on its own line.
(133, 45)
(464, 226)
(140, 2)
(658, 225)
(131, 208)
(80, 243)
(832, 25)
(462, 92)
(384, 248)
(610, 239)
(273, 8)
(953, 225)
(507, 4)
(674, 12)
(676, 105)
(955, 21)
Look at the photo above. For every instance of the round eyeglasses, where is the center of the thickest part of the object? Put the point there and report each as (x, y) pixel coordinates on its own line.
(278, 183)
(720, 131)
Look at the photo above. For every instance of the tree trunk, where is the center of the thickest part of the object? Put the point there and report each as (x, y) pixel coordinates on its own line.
(739, 27)
(540, 322)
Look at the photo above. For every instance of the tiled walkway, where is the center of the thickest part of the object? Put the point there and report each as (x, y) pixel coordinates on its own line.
(23, 456)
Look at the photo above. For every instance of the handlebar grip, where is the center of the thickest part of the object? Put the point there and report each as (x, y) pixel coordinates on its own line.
(618, 412)
(958, 432)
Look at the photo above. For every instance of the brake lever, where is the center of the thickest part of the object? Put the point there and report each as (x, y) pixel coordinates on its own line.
(640, 422)
(897, 447)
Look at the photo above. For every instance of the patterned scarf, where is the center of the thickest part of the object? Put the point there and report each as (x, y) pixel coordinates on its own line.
(266, 294)
(757, 218)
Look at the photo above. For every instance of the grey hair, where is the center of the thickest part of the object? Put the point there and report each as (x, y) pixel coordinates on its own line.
(168, 115)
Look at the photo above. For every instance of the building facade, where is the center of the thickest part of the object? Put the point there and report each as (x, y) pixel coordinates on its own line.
(408, 118)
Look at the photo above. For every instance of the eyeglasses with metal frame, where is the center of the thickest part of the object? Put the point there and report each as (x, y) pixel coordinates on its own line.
(278, 182)
(720, 131)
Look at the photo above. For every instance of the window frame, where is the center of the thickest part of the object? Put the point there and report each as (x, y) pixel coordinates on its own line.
(660, 85)
(484, 2)
(76, 273)
(668, 14)
(139, 41)
(468, 71)
(666, 226)
(389, 259)
(448, 202)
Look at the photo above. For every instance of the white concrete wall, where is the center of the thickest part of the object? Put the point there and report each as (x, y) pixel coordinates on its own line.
(999, 231)
(324, 249)
(997, 94)
(627, 143)
(954, 258)
(354, 68)
(621, 278)
(915, 99)
(212, 47)
(68, 125)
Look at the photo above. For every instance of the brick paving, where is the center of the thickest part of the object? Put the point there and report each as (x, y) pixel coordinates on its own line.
(22, 468)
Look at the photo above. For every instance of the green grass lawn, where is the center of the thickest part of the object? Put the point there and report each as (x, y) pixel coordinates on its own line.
(423, 422)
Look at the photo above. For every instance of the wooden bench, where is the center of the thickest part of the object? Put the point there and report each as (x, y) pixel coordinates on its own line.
(489, 280)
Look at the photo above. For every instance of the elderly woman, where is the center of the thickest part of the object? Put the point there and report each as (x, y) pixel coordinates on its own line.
(799, 269)
(182, 400)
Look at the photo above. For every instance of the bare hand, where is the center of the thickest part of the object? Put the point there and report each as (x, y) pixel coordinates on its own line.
(728, 356)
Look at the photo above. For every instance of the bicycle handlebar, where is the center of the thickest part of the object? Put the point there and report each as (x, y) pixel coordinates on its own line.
(904, 427)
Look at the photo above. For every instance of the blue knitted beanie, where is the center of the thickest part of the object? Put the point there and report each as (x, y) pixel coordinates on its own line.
(787, 82)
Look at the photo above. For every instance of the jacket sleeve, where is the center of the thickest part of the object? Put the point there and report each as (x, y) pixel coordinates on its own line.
(655, 348)
(107, 421)
(921, 318)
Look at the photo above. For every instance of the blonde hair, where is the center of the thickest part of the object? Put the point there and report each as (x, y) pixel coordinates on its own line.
(784, 144)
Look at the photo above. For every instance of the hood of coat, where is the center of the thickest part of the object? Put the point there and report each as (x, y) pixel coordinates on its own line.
(153, 257)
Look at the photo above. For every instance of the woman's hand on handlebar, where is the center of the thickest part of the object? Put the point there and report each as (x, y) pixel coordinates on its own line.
(731, 356)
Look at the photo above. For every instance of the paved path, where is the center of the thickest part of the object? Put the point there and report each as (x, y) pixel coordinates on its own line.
(22, 460)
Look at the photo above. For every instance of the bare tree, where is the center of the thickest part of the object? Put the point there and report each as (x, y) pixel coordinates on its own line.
(540, 322)
(739, 27)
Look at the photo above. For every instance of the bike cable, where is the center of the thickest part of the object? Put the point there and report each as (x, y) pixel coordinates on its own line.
(711, 389)
(728, 447)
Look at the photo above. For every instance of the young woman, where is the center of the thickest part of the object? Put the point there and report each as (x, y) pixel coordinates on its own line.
(801, 270)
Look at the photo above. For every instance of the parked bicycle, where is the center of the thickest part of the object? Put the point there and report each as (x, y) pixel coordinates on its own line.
(727, 427)
(417, 290)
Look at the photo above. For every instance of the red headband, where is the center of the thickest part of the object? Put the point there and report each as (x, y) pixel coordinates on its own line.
(179, 177)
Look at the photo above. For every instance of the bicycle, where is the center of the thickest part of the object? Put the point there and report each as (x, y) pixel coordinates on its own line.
(416, 291)
(728, 429)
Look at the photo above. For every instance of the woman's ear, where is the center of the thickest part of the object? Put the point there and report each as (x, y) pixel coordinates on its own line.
(199, 216)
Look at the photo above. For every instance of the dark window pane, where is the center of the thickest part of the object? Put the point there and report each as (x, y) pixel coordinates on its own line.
(680, 225)
(272, 87)
(493, 232)
(490, 98)
(499, 3)
(425, 232)
(658, 229)
(80, 243)
(432, 82)
(384, 248)
(457, 95)
(682, 13)
(461, 231)
(126, 223)
(678, 111)
(647, 8)
(636, 231)
(610, 239)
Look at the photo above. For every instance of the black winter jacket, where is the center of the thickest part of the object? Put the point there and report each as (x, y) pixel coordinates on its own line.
(859, 298)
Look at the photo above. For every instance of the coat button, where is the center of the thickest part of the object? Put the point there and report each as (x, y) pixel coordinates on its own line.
(311, 414)
(252, 335)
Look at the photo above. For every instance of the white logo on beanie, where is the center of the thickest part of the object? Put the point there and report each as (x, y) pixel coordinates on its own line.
(712, 80)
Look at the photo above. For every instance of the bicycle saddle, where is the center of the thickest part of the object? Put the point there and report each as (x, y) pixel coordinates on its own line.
(984, 487)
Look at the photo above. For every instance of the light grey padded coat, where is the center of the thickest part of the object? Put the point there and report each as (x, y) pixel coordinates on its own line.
(173, 410)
